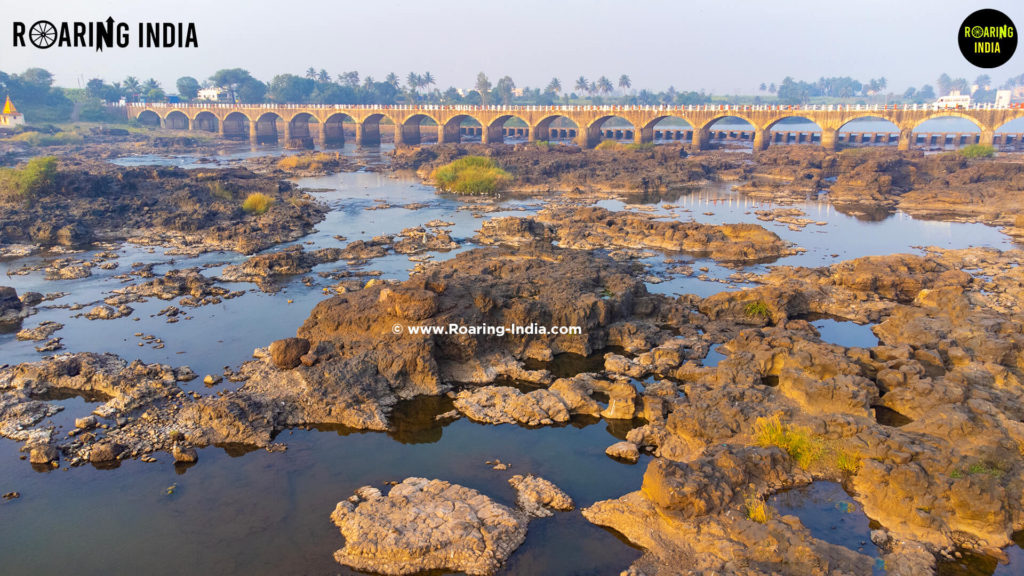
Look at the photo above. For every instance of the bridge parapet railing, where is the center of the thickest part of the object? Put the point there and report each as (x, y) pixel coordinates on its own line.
(561, 109)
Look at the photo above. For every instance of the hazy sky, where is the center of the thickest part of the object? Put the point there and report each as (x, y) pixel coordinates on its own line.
(724, 46)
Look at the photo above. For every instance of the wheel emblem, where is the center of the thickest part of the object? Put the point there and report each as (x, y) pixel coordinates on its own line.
(43, 34)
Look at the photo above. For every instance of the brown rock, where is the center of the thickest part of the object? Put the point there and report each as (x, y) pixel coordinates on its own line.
(287, 353)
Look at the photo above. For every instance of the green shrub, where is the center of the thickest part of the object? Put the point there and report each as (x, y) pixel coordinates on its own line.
(607, 145)
(257, 203)
(27, 181)
(977, 151)
(543, 145)
(758, 309)
(471, 175)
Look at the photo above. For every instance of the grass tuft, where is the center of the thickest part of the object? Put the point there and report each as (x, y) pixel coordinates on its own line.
(313, 162)
(257, 203)
(797, 441)
(757, 509)
(758, 309)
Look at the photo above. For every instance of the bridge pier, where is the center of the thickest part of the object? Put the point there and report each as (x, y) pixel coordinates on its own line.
(254, 132)
(987, 138)
(539, 132)
(762, 136)
(906, 139)
(492, 135)
(368, 134)
(449, 133)
(700, 139)
(285, 127)
(331, 135)
(588, 137)
(407, 134)
(828, 139)
(643, 135)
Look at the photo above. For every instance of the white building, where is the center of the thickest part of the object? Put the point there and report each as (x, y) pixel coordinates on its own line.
(213, 94)
(954, 100)
(1003, 98)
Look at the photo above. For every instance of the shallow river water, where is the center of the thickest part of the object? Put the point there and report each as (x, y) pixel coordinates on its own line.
(268, 513)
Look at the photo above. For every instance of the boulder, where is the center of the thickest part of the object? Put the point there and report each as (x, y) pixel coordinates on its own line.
(426, 525)
(287, 353)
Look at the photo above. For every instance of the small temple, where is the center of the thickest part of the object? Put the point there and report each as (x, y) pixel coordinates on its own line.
(10, 115)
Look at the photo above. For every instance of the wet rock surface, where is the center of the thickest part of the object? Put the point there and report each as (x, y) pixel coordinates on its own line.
(426, 525)
(924, 428)
(190, 210)
(538, 497)
(598, 228)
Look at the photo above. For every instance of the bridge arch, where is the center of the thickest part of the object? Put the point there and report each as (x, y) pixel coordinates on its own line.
(410, 129)
(942, 137)
(368, 129)
(557, 127)
(703, 135)
(176, 120)
(779, 131)
(458, 126)
(205, 120)
(148, 118)
(499, 127)
(332, 131)
(867, 129)
(621, 129)
(1015, 125)
(300, 130)
(667, 128)
(268, 127)
(236, 126)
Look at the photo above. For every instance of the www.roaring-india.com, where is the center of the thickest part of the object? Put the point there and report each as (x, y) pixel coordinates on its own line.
(488, 330)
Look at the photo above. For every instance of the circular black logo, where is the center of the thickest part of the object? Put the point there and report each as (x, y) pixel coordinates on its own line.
(42, 34)
(987, 38)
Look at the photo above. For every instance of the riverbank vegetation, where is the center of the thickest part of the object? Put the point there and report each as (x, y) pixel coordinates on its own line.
(474, 175)
(25, 182)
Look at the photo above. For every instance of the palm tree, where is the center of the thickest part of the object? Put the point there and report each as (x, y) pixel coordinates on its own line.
(625, 83)
(762, 87)
(483, 86)
(311, 73)
(323, 76)
(131, 88)
(554, 86)
(392, 79)
(603, 85)
(150, 84)
(428, 79)
(582, 84)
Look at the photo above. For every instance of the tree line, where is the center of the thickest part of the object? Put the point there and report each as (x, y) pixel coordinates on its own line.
(792, 91)
(321, 87)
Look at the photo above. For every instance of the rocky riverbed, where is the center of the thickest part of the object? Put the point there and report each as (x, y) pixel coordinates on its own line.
(722, 399)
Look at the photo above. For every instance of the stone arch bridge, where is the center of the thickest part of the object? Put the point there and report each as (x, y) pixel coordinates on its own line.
(299, 125)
